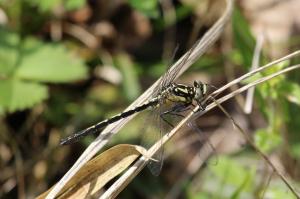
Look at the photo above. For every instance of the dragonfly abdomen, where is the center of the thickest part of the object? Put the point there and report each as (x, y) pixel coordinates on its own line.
(95, 128)
(125, 114)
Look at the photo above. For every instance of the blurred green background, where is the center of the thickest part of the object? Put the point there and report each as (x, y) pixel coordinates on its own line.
(67, 64)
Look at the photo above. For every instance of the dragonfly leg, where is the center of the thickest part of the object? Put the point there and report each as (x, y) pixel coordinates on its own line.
(165, 120)
(202, 106)
(175, 110)
(178, 108)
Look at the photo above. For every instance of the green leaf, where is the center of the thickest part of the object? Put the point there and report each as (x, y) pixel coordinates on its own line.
(34, 60)
(243, 38)
(49, 63)
(130, 81)
(74, 4)
(291, 91)
(278, 193)
(157, 69)
(45, 5)
(199, 195)
(18, 95)
(267, 141)
(295, 151)
(24, 63)
(9, 43)
(183, 11)
(252, 78)
(231, 172)
(48, 5)
(148, 8)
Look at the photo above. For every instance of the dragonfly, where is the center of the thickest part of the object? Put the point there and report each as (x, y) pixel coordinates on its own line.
(181, 97)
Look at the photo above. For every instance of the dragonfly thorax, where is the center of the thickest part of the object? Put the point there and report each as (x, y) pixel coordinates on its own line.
(185, 93)
(180, 93)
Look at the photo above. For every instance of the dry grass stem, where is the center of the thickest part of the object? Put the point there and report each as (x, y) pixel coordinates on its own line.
(255, 63)
(249, 74)
(257, 150)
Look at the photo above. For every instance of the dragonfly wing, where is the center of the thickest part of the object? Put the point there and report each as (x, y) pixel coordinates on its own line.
(204, 138)
(158, 126)
(152, 133)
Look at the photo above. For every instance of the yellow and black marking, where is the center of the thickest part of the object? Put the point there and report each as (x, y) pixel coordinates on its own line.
(175, 93)
(183, 93)
(95, 128)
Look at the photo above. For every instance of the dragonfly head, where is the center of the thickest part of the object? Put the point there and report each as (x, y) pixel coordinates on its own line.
(201, 90)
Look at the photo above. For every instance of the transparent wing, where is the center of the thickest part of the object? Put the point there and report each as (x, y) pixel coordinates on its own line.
(156, 126)
(160, 125)
(153, 131)
(204, 138)
(170, 74)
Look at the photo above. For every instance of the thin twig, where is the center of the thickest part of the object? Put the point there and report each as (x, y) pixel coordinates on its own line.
(249, 74)
(248, 138)
(246, 87)
(196, 163)
(83, 35)
(267, 185)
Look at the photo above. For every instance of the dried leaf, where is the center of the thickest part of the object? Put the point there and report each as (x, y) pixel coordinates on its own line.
(100, 170)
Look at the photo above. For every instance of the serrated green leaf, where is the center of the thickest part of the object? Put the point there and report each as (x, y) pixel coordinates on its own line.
(148, 8)
(34, 60)
(19, 95)
(22, 63)
(49, 63)
(9, 42)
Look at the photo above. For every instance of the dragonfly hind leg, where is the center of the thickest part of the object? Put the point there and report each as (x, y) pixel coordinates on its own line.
(175, 110)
